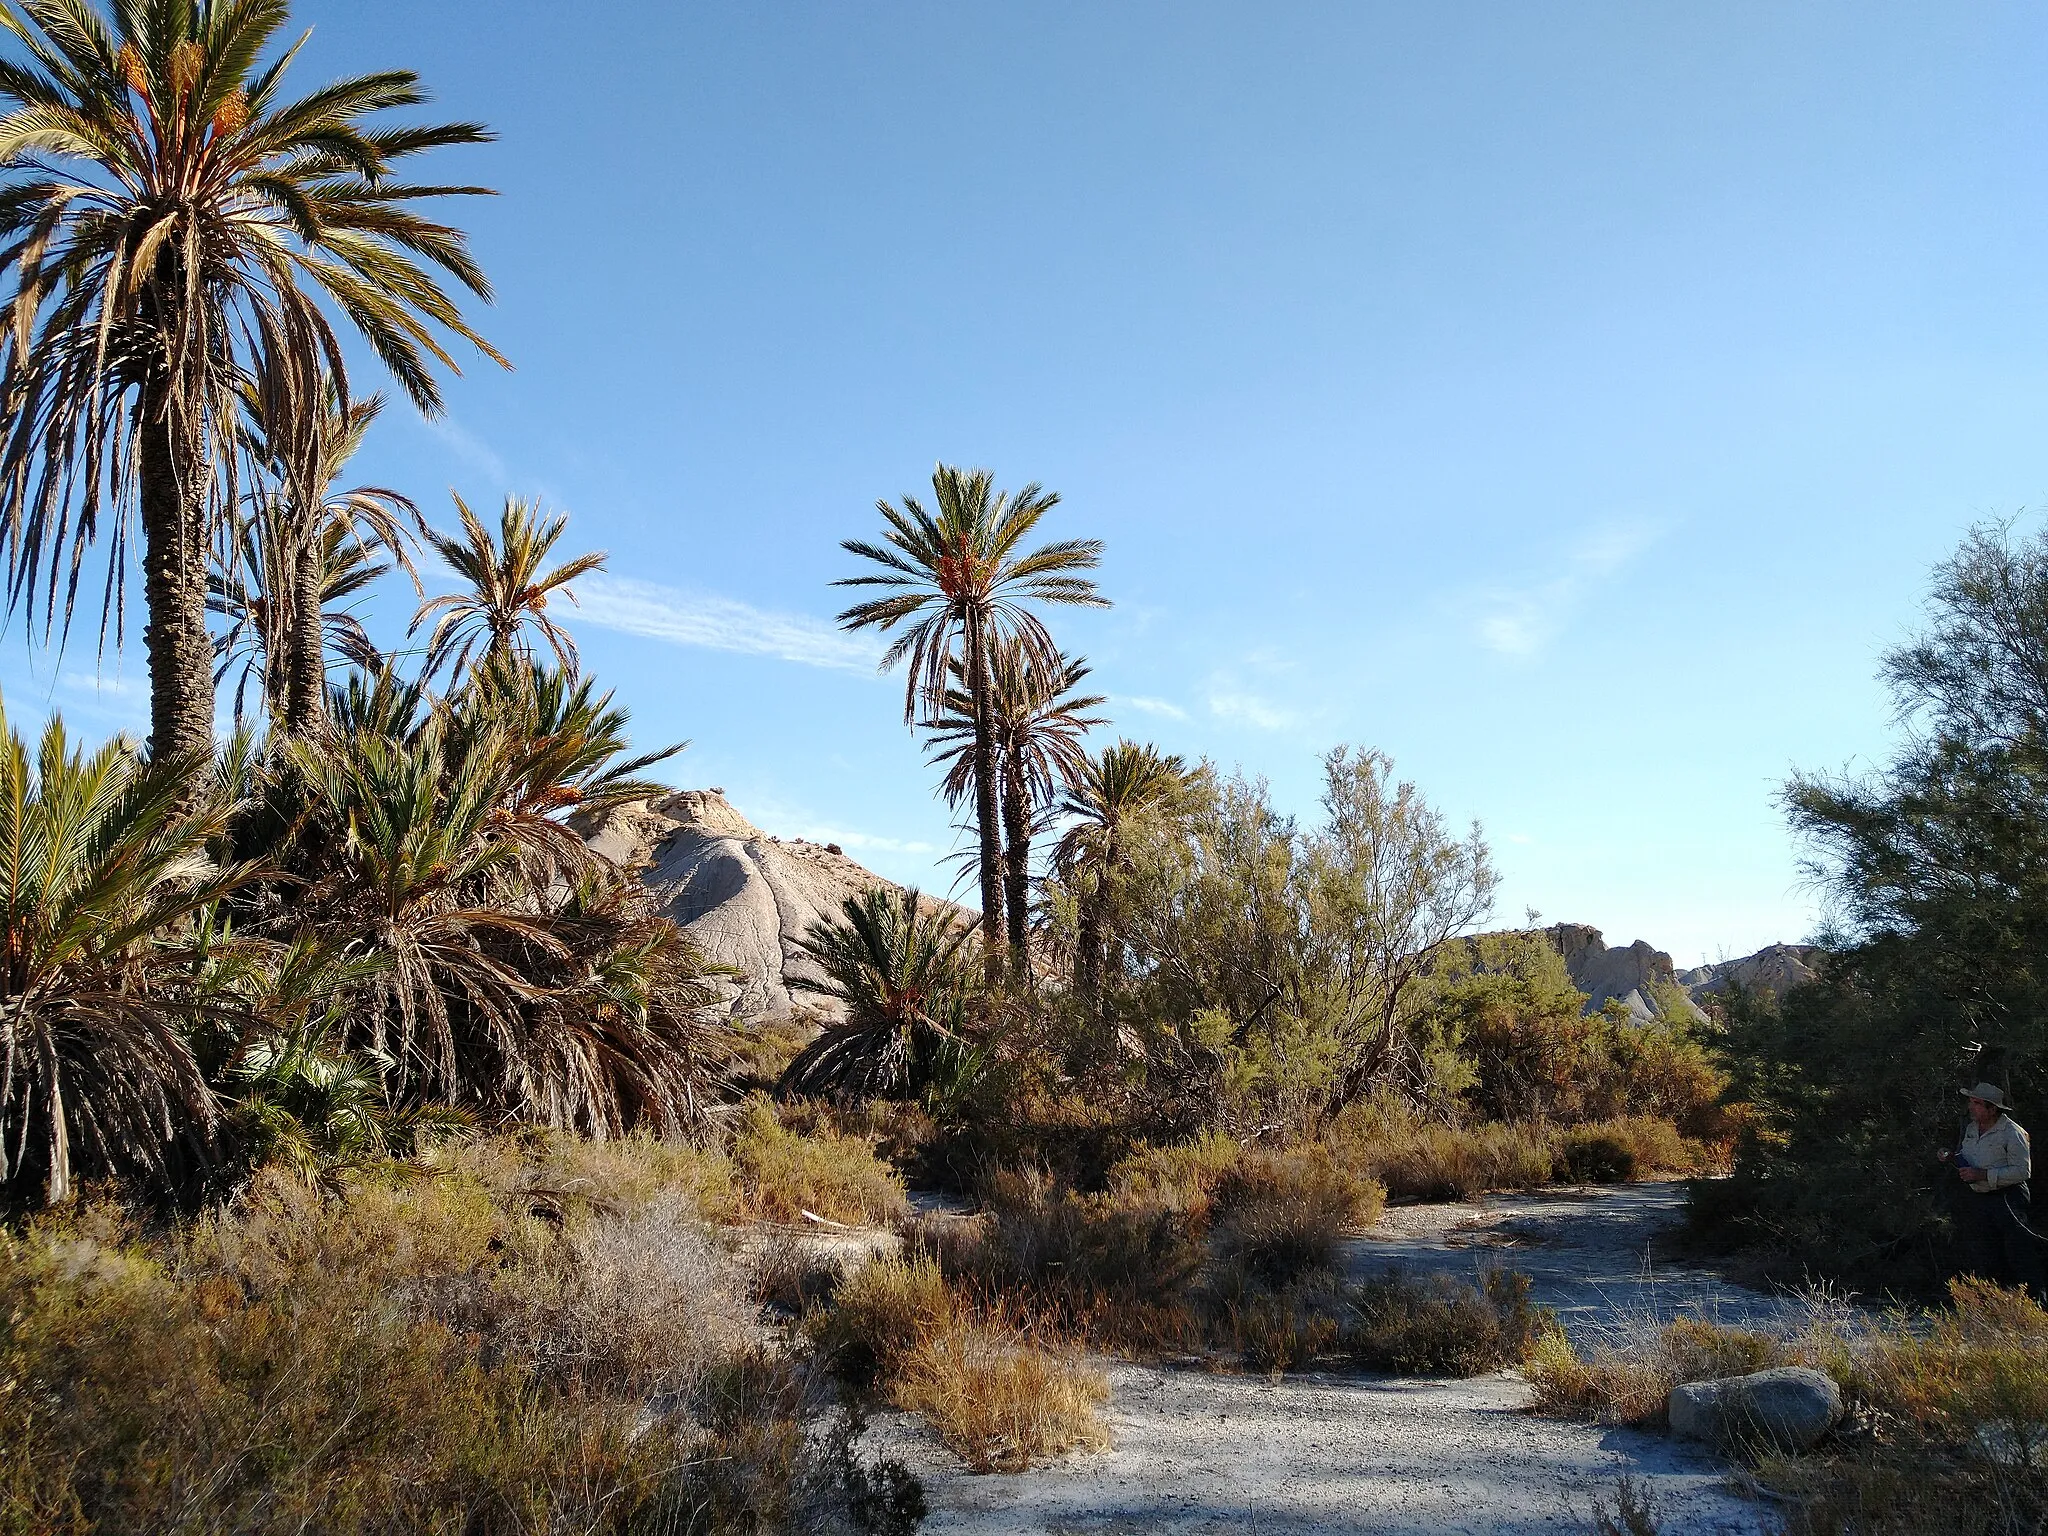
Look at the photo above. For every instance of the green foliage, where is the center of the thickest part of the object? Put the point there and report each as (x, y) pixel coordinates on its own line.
(896, 967)
(103, 871)
(1938, 866)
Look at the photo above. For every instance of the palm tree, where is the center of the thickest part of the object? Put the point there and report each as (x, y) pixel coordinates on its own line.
(171, 227)
(303, 545)
(102, 867)
(507, 590)
(1112, 794)
(897, 967)
(260, 634)
(1038, 722)
(961, 584)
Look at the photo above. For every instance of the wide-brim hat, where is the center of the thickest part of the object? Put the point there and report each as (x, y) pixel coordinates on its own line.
(1990, 1095)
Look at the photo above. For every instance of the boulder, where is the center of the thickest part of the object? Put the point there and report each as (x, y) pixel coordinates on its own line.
(1790, 1407)
(745, 897)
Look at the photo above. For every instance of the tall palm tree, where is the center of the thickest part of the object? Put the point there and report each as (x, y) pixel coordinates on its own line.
(506, 590)
(260, 633)
(960, 583)
(302, 544)
(1111, 795)
(171, 225)
(1039, 722)
(896, 966)
(102, 864)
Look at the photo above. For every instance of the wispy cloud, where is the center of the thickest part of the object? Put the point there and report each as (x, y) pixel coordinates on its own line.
(468, 447)
(719, 624)
(1154, 707)
(866, 842)
(1242, 708)
(100, 683)
(1521, 621)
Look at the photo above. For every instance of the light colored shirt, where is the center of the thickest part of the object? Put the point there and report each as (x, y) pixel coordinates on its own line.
(2003, 1152)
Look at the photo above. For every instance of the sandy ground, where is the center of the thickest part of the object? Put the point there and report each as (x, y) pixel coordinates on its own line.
(1200, 1452)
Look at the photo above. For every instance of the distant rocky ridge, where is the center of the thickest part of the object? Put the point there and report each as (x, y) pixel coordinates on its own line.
(1638, 976)
(745, 897)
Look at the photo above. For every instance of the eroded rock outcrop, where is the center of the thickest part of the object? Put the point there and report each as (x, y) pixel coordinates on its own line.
(746, 897)
(1640, 978)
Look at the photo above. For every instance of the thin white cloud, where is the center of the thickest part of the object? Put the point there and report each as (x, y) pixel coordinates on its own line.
(719, 624)
(1520, 838)
(1521, 621)
(468, 447)
(1249, 709)
(90, 682)
(866, 842)
(1154, 707)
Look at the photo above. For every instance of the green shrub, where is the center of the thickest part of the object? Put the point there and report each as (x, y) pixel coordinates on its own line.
(784, 1174)
(1591, 1154)
(1442, 1327)
(879, 1314)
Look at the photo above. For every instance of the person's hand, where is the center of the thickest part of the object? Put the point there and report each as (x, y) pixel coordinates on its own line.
(1971, 1175)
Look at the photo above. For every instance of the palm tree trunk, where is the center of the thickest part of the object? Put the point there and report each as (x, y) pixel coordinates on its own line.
(173, 483)
(305, 678)
(58, 1190)
(985, 803)
(1088, 940)
(1017, 860)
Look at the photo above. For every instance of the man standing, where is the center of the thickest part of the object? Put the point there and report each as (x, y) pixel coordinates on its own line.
(1994, 1163)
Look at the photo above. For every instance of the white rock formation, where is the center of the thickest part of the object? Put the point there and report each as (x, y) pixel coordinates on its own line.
(746, 898)
(1776, 968)
(1629, 976)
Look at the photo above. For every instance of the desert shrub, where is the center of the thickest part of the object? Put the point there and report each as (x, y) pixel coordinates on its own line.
(1284, 1213)
(1181, 1176)
(1592, 1154)
(1440, 1326)
(1424, 1159)
(1080, 1253)
(1628, 1378)
(879, 1315)
(784, 1174)
(1000, 1402)
(416, 1353)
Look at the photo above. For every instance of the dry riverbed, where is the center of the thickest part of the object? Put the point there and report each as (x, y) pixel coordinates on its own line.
(1198, 1452)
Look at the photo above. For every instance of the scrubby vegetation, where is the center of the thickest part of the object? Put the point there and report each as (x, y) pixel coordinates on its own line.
(1934, 865)
(370, 1145)
(1948, 1408)
(515, 1335)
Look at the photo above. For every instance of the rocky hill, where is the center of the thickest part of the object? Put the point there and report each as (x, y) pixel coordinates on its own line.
(745, 896)
(1639, 975)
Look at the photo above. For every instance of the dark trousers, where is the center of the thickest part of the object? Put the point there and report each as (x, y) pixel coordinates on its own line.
(1995, 1242)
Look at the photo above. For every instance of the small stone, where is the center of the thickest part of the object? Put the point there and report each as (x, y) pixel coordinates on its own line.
(1790, 1407)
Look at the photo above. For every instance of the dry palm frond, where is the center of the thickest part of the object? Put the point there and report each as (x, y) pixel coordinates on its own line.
(103, 866)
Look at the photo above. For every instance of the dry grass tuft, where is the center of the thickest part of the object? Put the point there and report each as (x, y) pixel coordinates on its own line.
(1283, 1215)
(1000, 1403)
(830, 1174)
(1443, 1327)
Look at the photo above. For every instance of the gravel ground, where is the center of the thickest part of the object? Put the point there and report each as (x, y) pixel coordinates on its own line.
(1200, 1452)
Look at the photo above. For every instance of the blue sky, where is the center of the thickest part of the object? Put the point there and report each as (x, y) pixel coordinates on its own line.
(1567, 399)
